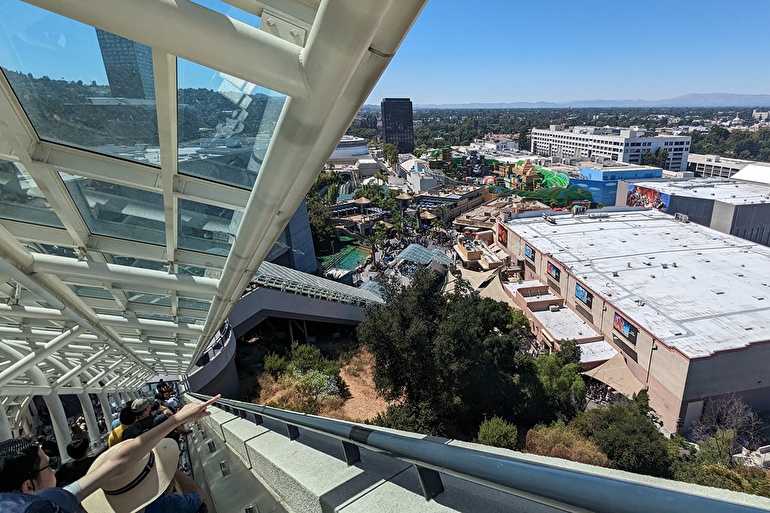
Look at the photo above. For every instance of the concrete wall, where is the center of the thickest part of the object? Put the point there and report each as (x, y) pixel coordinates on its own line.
(309, 474)
(741, 371)
(698, 210)
(752, 222)
(263, 302)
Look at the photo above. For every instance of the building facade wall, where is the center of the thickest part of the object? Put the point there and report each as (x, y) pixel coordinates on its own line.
(676, 385)
(714, 165)
(628, 148)
(698, 210)
(603, 192)
(751, 222)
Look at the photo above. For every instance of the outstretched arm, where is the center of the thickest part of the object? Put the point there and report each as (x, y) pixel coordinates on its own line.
(130, 451)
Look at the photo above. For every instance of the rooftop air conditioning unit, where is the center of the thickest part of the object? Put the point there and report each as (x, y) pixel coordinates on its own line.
(554, 308)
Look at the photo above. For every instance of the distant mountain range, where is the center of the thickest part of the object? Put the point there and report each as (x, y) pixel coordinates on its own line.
(688, 100)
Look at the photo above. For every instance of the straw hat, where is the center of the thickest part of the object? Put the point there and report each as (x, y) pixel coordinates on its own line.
(139, 485)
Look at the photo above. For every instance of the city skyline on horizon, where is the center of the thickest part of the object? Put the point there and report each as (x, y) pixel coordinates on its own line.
(580, 52)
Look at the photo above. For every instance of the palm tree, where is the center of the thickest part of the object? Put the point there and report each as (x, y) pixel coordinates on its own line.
(371, 242)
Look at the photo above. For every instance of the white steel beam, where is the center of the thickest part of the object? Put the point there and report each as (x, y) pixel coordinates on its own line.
(304, 11)
(146, 279)
(89, 362)
(30, 360)
(164, 72)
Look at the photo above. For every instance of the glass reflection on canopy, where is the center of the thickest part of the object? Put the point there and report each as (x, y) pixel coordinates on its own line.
(118, 211)
(21, 198)
(78, 85)
(206, 228)
(225, 125)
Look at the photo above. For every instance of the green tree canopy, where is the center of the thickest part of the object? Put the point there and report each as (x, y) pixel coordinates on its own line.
(450, 358)
(628, 436)
(559, 375)
(390, 152)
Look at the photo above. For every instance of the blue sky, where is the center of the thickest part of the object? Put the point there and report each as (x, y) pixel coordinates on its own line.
(495, 50)
(560, 50)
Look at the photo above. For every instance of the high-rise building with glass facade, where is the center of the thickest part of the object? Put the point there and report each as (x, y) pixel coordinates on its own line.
(397, 123)
(128, 65)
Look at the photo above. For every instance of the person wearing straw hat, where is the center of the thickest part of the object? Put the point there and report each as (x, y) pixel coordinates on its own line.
(139, 484)
(27, 480)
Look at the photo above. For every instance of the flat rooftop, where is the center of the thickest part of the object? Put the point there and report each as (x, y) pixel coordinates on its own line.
(736, 192)
(695, 289)
(564, 324)
(599, 351)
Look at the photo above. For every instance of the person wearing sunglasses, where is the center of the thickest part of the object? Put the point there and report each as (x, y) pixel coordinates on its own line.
(28, 475)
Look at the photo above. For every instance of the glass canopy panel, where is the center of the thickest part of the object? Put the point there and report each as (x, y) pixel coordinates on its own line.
(155, 265)
(21, 199)
(87, 291)
(148, 299)
(117, 210)
(225, 125)
(206, 228)
(135, 262)
(50, 249)
(80, 86)
(194, 304)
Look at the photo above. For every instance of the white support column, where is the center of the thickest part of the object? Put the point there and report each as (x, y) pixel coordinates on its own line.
(106, 409)
(27, 424)
(61, 428)
(5, 426)
(91, 426)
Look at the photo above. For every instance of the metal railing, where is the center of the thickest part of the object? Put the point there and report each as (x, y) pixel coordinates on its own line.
(550, 484)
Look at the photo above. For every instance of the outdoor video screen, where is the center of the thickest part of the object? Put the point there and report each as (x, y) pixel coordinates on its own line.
(626, 328)
(529, 252)
(553, 271)
(583, 295)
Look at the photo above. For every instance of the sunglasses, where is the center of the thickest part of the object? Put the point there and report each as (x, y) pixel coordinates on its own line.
(54, 463)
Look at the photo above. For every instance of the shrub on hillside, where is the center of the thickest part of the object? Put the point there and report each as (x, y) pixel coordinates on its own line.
(275, 365)
(498, 433)
(307, 357)
(559, 441)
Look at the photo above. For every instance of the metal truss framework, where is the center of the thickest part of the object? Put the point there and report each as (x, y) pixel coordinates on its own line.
(73, 318)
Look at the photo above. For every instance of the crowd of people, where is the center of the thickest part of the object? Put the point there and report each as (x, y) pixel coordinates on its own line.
(138, 471)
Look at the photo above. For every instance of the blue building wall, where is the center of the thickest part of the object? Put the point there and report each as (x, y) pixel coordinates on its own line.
(601, 191)
(603, 184)
(617, 174)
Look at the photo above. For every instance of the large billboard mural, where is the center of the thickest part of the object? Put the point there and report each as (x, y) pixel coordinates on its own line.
(553, 271)
(529, 252)
(626, 328)
(583, 295)
(502, 235)
(645, 197)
